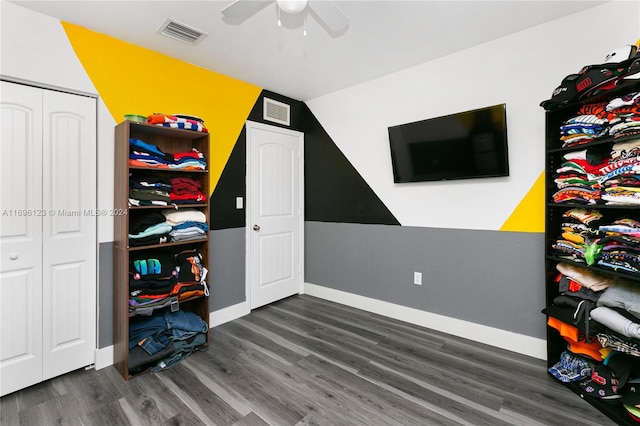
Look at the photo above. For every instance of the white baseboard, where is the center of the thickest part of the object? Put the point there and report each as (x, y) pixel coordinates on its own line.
(104, 356)
(228, 314)
(508, 340)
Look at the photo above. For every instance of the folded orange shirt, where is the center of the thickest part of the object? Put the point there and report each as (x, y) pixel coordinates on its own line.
(577, 343)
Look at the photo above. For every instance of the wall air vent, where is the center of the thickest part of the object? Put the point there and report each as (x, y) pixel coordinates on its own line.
(181, 32)
(276, 111)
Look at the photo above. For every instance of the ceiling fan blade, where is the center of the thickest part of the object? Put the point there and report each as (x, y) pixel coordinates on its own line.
(241, 9)
(329, 15)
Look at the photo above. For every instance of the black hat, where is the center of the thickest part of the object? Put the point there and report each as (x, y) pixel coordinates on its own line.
(632, 397)
(603, 383)
(599, 78)
(632, 74)
(590, 81)
(563, 94)
(621, 365)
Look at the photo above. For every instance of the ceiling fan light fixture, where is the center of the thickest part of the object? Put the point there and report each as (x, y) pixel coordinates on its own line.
(292, 6)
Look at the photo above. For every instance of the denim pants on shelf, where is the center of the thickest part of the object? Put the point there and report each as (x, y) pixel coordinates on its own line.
(183, 348)
(140, 328)
(184, 324)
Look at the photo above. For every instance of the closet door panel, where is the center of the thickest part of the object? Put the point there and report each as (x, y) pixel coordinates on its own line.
(69, 233)
(21, 217)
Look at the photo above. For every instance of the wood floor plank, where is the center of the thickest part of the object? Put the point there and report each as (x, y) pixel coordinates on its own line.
(30, 397)
(63, 409)
(152, 401)
(92, 390)
(206, 405)
(251, 419)
(228, 395)
(108, 414)
(317, 320)
(181, 419)
(260, 342)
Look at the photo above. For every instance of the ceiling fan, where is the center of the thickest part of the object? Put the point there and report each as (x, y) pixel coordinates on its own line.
(325, 10)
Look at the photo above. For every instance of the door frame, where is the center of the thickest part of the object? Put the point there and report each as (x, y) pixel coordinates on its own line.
(249, 203)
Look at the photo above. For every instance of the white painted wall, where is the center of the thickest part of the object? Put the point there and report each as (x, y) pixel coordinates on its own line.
(36, 49)
(520, 70)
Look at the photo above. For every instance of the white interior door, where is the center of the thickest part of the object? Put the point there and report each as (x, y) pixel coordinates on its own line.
(20, 237)
(48, 235)
(275, 217)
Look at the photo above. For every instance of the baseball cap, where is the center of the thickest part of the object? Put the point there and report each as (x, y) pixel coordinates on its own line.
(632, 397)
(621, 365)
(621, 54)
(598, 78)
(563, 94)
(632, 74)
(603, 384)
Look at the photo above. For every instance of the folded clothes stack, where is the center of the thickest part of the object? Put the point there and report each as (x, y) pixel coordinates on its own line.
(187, 224)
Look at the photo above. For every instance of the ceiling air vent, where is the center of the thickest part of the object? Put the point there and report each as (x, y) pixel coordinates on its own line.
(181, 32)
(276, 111)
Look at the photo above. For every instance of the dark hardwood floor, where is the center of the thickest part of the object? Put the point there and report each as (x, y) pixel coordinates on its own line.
(306, 361)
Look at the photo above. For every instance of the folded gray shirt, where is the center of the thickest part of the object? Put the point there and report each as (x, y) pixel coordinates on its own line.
(622, 294)
(616, 322)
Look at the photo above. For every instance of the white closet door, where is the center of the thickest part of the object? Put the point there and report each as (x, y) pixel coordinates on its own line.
(48, 240)
(69, 237)
(20, 237)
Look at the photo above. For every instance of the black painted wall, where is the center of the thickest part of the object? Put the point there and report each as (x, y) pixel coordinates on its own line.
(334, 190)
(232, 183)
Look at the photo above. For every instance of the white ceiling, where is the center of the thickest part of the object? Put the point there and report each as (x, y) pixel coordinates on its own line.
(382, 37)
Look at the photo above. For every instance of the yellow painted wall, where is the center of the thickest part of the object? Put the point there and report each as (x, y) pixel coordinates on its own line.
(134, 80)
(529, 214)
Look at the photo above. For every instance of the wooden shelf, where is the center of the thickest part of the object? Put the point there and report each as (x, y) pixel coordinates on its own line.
(169, 244)
(161, 169)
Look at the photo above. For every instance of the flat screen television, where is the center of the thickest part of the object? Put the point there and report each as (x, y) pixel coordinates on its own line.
(465, 145)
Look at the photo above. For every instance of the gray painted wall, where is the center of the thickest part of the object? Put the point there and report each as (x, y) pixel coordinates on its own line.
(227, 271)
(105, 295)
(226, 277)
(486, 277)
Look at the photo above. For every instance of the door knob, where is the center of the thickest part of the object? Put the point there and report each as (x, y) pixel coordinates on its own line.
(256, 227)
(13, 256)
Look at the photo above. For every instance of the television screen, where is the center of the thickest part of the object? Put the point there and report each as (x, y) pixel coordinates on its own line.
(470, 144)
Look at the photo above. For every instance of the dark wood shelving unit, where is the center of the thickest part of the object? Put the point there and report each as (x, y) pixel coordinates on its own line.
(168, 140)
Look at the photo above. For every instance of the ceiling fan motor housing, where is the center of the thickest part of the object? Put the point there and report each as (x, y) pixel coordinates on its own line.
(292, 6)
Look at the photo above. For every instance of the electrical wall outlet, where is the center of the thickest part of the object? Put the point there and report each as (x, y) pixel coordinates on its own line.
(417, 278)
